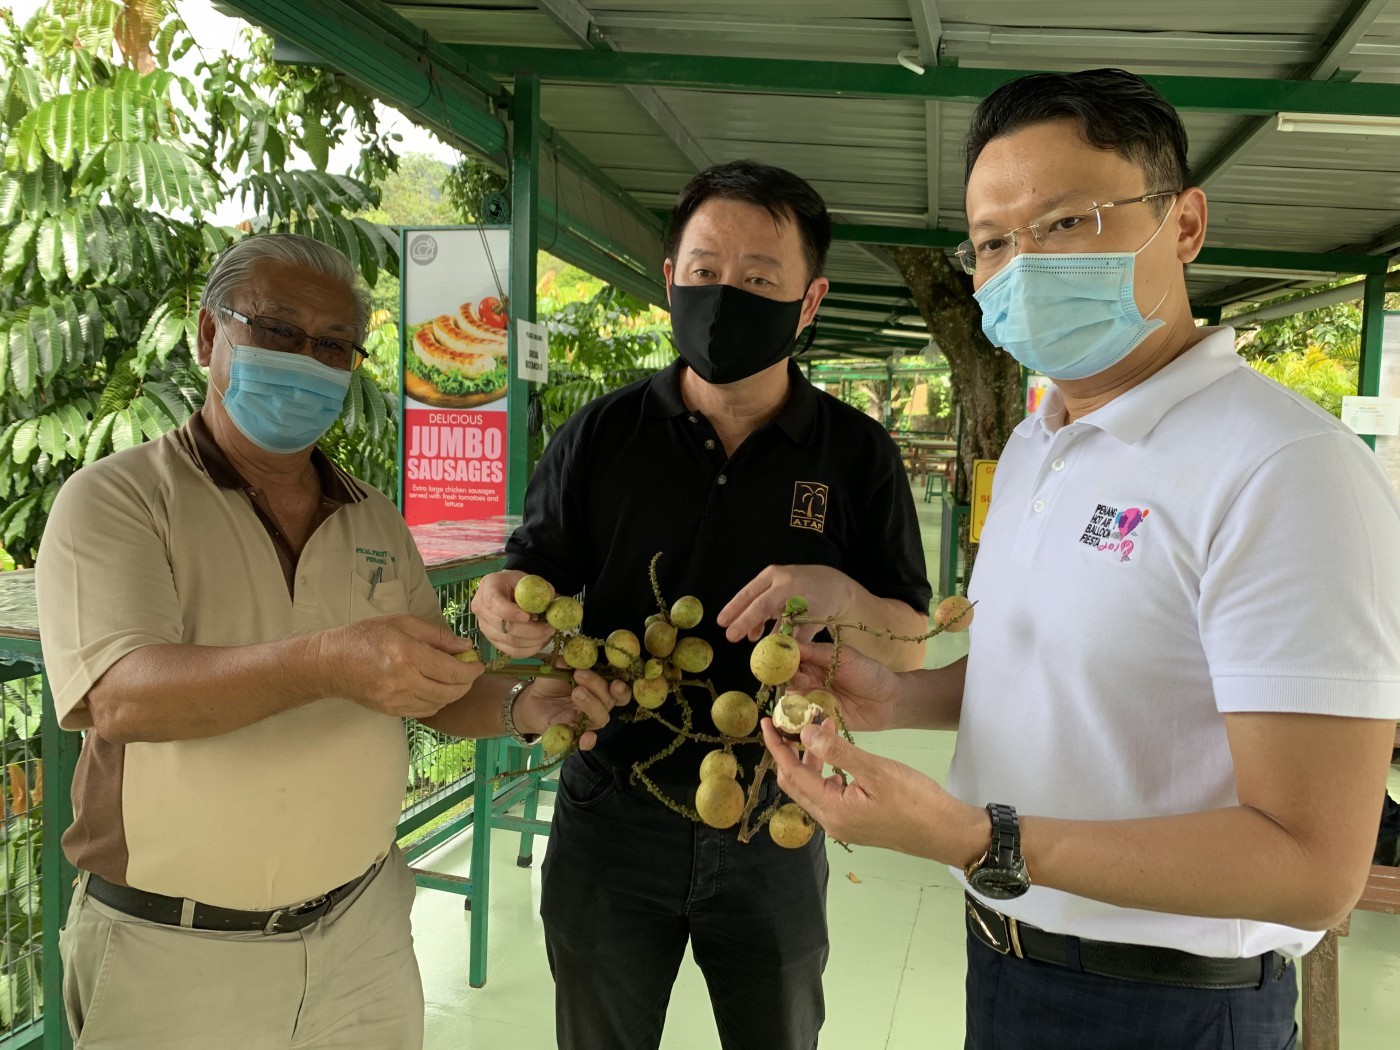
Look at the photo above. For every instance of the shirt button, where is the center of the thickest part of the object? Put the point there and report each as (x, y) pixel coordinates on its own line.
(722, 480)
(709, 442)
(301, 579)
(1059, 464)
(1038, 506)
(694, 420)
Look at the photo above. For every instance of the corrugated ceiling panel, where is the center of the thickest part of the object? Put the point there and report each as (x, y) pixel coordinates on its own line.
(1202, 16)
(484, 24)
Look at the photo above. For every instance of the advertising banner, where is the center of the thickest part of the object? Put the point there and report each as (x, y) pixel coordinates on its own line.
(455, 367)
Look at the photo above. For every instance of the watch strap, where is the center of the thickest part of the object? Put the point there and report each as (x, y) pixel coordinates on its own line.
(508, 714)
(1005, 850)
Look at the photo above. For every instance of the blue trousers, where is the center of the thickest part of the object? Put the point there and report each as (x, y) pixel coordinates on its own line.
(627, 883)
(1022, 1004)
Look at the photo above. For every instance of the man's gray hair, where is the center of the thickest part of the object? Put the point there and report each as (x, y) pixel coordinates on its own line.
(234, 266)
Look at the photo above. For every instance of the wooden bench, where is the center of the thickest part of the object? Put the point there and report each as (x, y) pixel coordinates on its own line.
(1321, 978)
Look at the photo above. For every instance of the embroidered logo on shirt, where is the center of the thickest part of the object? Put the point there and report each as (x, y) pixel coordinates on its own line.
(1111, 529)
(808, 506)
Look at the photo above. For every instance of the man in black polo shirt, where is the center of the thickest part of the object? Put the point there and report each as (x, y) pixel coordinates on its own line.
(755, 486)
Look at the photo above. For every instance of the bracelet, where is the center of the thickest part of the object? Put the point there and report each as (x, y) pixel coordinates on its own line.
(508, 714)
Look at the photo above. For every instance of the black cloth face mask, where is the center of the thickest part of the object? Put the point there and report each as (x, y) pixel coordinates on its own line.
(725, 334)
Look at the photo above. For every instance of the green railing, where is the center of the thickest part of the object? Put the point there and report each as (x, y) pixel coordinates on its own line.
(442, 797)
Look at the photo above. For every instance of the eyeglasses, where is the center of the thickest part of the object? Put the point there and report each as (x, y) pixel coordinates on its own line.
(273, 333)
(1070, 229)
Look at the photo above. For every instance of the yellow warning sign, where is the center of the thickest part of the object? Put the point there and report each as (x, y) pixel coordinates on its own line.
(982, 471)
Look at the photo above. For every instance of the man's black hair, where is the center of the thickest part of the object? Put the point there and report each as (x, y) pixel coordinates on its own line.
(781, 193)
(1114, 109)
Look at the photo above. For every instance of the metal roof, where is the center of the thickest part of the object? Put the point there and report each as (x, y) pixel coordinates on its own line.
(889, 158)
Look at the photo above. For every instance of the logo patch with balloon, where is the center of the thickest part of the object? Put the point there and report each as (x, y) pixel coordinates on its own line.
(1115, 530)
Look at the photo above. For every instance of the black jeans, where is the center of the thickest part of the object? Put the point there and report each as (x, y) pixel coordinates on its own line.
(1022, 1004)
(627, 883)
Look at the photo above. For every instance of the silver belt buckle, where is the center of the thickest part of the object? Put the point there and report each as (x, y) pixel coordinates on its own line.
(297, 909)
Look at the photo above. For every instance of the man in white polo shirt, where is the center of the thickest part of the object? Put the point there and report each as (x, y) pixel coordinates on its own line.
(240, 627)
(1176, 715)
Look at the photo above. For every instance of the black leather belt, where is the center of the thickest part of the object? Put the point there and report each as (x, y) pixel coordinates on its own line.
(1129, 962)
(170, 911)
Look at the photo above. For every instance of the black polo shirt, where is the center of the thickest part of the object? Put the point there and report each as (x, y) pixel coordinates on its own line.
(636, 472)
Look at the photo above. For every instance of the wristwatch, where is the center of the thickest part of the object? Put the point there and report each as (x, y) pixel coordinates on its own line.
(1001, 872)
(508, 714)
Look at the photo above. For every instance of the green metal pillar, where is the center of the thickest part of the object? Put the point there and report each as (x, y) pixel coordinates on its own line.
(524, 250)
(889, 395)
(1210, 315)
(60, 760)
(1372, 331)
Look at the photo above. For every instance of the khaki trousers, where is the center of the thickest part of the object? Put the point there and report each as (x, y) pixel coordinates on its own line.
(349, 981)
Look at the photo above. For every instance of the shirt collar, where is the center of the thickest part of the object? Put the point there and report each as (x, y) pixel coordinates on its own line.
(1132, 415)
(198, 442)
(797, 418)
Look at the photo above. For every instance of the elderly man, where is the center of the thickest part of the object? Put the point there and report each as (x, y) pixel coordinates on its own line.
(240, 627)
(1173, 728)
(755, 486)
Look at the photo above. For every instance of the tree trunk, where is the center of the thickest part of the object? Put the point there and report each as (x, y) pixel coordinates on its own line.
(986, 380)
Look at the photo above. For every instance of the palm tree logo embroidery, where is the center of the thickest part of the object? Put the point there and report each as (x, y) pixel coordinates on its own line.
(809, 506)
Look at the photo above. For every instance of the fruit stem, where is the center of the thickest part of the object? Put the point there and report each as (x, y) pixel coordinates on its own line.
(656, 585)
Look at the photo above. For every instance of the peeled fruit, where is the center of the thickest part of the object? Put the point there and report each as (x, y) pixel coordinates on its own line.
(826, 701)
(687, 612)
(734, 713)
(775, 659)
(693, 655)
(471, 656)
(651, 692)
(660, 638)
(621, 648)
(954, 613)
(557, 739)
(720, 802)
(533, 594)
(719, 764)
(791, 828)
(653, 668)
(793, 712)
(580, 653)
(564, 614)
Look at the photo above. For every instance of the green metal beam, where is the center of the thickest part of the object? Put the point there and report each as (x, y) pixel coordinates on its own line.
(1368, 379)
(373, 44)
(890, 291)
(887, 80)
(1259, 258)
(524, 275)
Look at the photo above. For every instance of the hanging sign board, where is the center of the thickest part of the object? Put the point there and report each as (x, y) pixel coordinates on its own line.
(533, 340)
(982, 472)
(455, 367)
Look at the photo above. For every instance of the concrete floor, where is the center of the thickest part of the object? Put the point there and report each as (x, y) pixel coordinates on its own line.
(896, 972)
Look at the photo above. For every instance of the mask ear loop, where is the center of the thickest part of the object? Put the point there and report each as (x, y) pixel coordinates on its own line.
(1160, 227)
(811, 334)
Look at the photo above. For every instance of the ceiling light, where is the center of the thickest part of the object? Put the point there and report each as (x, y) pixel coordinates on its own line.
(1339, 124)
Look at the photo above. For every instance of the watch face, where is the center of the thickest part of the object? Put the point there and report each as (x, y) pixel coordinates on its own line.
(1000, 883)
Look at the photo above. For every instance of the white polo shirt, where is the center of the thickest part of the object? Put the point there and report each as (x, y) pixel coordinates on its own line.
(1207, 543)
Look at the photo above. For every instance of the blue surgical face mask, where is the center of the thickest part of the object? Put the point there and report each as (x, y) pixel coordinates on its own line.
(1067, 316)
(282, 402)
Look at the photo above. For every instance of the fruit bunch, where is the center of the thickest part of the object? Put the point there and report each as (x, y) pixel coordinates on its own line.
(656, 667)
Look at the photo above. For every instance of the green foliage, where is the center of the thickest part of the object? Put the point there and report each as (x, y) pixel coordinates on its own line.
(1322, 379)
(596, 345)
(112, 163)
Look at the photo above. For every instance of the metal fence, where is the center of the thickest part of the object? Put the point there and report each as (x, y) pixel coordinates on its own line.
(21, 852)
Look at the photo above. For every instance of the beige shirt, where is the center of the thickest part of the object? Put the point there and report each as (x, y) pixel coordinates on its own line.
(165, 543)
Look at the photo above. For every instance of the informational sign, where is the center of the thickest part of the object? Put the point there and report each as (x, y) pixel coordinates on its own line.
(533, 340)
(982, 472)
(455, 368)
(1372, 415)
(1387, 446)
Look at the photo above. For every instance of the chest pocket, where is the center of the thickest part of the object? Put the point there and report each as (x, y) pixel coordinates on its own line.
(369, 599)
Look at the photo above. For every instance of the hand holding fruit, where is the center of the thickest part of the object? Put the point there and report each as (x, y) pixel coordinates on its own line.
(866, 691)
(512, 629)
(548, 702)
(888, 804)
(828, 592)
(397, 665)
